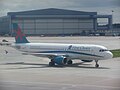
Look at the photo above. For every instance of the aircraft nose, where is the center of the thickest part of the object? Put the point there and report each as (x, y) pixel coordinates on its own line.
(109, 55)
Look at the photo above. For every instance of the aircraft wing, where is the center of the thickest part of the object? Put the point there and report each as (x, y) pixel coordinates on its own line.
(49, 55)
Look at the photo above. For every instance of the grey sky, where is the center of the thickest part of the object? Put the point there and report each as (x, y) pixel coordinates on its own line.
(101, 6)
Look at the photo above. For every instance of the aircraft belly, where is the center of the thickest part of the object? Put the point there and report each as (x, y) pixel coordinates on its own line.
(83, 57)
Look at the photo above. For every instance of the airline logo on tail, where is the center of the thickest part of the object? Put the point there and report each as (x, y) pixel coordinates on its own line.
(19, 36)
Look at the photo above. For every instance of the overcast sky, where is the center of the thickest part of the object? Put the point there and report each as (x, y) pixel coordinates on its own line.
(101, 6)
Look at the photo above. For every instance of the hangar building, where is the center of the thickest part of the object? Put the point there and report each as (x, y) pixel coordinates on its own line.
(54, 21)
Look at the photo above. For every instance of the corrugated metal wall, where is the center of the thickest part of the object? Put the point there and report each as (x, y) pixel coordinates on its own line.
(4, 25)
(55, 26)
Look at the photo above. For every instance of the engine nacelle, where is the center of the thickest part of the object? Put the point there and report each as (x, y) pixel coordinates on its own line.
(87, 60)
(60, 60)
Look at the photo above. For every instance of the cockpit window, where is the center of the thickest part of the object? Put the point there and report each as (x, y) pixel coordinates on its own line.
(103, 50)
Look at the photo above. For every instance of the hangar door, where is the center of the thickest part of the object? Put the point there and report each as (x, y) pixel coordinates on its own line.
(55, 26)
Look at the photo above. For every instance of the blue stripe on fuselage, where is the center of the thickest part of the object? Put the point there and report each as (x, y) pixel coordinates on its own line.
(69, 52)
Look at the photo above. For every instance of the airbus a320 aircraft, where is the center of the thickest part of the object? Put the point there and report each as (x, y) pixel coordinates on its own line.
(60, 54)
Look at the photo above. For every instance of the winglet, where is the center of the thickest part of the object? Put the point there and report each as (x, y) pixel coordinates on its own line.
(19, 36)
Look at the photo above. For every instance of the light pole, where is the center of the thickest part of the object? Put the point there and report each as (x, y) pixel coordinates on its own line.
(112, 21)
(112, 15)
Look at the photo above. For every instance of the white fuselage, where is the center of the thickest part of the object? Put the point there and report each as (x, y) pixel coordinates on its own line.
(74, 51)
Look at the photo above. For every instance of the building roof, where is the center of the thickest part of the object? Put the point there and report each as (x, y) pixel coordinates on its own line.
(52, 11)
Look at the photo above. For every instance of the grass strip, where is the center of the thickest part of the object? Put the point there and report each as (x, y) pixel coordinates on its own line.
(116, 53)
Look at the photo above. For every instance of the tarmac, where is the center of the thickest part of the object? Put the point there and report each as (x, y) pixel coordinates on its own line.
(26, 72)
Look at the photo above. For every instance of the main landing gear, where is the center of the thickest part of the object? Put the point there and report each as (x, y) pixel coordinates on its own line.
(96, 65)
(69, 62)
(52, 63)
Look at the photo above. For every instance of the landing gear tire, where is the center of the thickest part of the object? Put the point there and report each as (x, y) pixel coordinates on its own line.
(69, 62)
(65, 61)
(52, 63)
(96, 65)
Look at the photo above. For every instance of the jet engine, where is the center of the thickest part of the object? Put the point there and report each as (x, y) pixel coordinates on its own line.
(60, 60)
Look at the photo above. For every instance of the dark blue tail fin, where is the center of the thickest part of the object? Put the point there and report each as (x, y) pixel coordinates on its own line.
(19, 36)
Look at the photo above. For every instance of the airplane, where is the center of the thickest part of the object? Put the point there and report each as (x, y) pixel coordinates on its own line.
(60, 54)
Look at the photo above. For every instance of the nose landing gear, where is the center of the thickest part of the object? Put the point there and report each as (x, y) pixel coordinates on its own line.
(96, 65)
